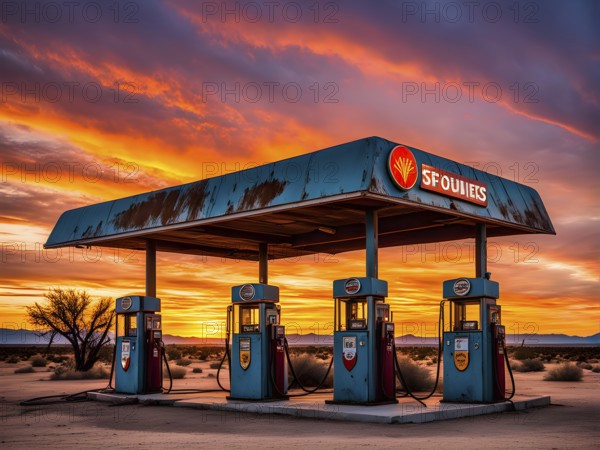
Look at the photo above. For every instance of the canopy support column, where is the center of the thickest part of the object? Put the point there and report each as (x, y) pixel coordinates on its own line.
(151, 268)
(372, 243)
(480, 251)
(263, 263)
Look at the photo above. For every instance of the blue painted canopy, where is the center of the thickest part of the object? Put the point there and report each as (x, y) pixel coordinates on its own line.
(303, 205)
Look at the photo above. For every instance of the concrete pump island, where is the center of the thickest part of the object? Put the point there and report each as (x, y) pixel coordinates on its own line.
(365, 194)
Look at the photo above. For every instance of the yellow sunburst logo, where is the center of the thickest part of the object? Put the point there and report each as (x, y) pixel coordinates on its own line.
(402, 167)
(405, 167)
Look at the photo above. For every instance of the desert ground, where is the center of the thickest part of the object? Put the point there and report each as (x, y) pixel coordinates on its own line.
(572, 421)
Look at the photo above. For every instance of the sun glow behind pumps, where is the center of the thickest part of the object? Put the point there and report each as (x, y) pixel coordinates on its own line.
(139, 346)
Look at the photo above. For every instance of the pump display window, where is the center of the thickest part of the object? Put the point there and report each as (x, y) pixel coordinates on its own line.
(249, 319)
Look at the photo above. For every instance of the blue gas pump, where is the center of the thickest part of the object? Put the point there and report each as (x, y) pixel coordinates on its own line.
(139, 346)
(258, 368)
(474, 345)
(363, 348)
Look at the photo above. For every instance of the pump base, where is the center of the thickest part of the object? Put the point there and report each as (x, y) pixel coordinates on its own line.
(340, 402)
(271, 399)
(473, 402)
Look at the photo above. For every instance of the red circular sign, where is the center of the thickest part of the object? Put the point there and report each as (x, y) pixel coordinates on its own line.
(247, 292)
(403, 167)
(352, 286)
(462, 286)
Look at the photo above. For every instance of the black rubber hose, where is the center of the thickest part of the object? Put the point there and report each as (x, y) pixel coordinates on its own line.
(112, 367)
(272, 377)
(39, 401)
(164, 355)
(297, 380)
(228, 356)
(383, 391)
(512, 378)
(204, 391)
(403, 381)
(77, 397)
(439, 359)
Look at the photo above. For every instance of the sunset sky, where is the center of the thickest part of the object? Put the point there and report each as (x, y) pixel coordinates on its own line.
(101, 100)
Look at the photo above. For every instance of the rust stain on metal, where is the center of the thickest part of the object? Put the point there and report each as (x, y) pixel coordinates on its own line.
(88, 232)
(194, 199)
(503, 209)
(376, 185)
(534, 217)
(261, 195)
(158, 205)
(165, 206)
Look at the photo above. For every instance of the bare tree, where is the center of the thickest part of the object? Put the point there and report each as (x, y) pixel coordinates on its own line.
(73, 315)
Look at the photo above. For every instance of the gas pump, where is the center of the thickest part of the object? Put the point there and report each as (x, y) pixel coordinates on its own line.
(258, 369)
(474, 346)
(139, 346)
(363, 348)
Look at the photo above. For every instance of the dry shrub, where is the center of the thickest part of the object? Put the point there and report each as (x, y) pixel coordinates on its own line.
(596, 369)
(183, 362)
(417, 377)
(311, 370)
(528, 365)
(12, 359)
(585, 366)
(215, 365)
(69, 373)
(523, 353)
(564, 372)
(38, 361)
(106, 353)
(196, 370)
(173, 353)
(27, 369)
(177, 373)
(58, 358)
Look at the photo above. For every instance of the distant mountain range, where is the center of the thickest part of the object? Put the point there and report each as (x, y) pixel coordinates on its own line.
(28, 337)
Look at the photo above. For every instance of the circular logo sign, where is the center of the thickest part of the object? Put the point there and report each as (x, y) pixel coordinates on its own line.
(352, 286)
(462, 287)
(402, 166)
(247, 292)
(126, 302)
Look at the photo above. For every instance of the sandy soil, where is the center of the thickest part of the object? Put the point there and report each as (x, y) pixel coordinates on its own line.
(572, 421)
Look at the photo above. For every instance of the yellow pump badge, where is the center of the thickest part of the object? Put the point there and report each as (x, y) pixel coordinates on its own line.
(461, 353)
(245, 353)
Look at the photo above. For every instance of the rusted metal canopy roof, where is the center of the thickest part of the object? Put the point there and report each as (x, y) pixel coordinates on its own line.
(303, 205)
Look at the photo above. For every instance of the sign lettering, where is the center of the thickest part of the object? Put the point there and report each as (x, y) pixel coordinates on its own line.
(453, 185)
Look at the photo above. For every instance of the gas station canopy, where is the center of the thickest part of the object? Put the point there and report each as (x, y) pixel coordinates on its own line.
(313, 203)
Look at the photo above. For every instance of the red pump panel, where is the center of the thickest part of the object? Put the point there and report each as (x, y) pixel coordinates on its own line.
(278, 355)
(498, 354)
(153, 354)
(387, 380)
